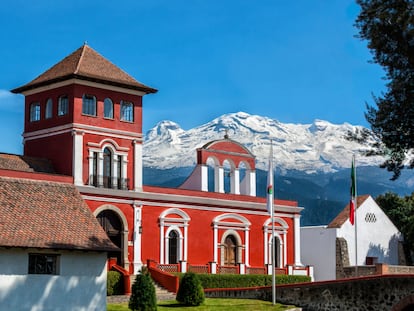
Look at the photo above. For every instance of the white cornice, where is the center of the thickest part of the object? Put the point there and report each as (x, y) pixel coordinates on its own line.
(57, 130)
(82, 82)
(194, 202)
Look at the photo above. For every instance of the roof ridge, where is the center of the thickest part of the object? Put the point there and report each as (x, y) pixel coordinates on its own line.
(80, 59)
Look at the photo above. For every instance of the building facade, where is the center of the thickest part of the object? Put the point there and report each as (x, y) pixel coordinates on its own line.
(331, 248)
(85, 115)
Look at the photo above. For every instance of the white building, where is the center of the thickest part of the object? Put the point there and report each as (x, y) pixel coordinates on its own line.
(377, 240)
(53, 251)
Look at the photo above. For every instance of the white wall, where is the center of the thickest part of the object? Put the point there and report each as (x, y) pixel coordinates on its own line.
(318, 249)
(374, 239)
(81, 284)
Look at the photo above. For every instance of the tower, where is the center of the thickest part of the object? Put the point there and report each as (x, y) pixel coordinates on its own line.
(85, 115)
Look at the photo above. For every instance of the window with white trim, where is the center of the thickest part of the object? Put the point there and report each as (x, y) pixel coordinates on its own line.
(49, 109)
(108, 168)
(127, 111)
(63, 105)
(43, 264)
(89, 105)
(34, 112)
(108, 108)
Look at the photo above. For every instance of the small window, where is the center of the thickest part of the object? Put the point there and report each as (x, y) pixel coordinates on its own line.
(34, 112)
(63, 106)
(49, 109)
(89, 105)
(43, 264)
(108, 108)
(127, 111)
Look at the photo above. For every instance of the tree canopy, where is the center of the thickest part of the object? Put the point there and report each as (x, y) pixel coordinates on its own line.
(388, 26)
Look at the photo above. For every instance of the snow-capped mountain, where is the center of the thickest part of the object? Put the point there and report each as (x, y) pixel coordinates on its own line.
(317, 147)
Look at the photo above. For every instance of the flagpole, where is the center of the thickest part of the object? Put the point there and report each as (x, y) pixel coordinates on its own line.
(270, 208)
(355, 218)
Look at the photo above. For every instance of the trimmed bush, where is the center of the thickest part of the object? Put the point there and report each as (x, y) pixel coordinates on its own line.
(190, 292)
(246, 280)
(114, 283)
(143, 296)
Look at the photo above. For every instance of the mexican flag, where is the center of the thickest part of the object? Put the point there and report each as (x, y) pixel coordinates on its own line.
(352, 202)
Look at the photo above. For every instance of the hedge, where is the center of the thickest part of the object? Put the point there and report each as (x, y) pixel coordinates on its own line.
(246, 280)
(114, 283)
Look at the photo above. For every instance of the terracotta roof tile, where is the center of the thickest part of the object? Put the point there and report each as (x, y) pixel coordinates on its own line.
(343, 216)
(26, 164)
(85, 63)
(43, 214)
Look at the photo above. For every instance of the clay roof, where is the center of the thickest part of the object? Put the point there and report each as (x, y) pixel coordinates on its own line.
(25, 164)
(50, 215)
(343, 216)
(86, 64)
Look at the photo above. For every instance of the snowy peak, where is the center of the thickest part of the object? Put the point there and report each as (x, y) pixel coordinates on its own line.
(317, 147)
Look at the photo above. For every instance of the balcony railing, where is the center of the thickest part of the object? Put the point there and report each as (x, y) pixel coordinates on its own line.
(109, 182)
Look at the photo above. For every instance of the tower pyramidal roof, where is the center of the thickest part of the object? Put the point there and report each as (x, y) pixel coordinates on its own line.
(86, 64)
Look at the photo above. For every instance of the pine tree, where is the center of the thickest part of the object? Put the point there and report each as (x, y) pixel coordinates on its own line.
(388, 26)
(190, 292)
(143, 296)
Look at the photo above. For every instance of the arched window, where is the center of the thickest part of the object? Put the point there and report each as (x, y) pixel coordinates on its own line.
(108, 108)
(112, 225)
(230, 251)
(173, 247)
(34, 112)
(107, 168)
(63, 105)
(127, 111)
(49, 109)
(89, 105)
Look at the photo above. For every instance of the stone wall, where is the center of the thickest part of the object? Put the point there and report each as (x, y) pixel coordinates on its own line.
(369, 293)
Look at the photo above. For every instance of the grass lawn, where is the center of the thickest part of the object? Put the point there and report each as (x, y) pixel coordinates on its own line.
(212, 304)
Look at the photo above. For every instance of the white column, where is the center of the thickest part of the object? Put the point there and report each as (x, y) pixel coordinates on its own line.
(137, 165)
(284, 249)
(235, 181)
(100, 168)
(215, 241)
(124, 173)
(91, 172)
(114, 177)
(77, 157)
(204, 177)
(137, 237)
(161, 242)
(297, 240)
(246, 247)
(185, 242)
(252, 183)
(219, 179)
(266, 246)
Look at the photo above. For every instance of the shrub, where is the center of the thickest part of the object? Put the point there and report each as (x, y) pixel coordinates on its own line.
(114, 283)
(143, 296)
(190, 292)
(246, 280)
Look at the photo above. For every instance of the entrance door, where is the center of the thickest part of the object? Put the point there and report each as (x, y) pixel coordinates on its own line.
(112, 225)
(230, 251)
(172, 247)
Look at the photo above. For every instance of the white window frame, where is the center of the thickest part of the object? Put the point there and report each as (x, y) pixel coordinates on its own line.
(49, 109)
(127, 111)
(63, 105)
(34, 112)
(89, 105)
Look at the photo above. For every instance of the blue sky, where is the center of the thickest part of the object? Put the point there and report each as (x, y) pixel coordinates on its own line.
(294, 61)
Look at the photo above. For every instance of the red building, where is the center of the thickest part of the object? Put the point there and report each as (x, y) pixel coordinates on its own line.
(85, 116)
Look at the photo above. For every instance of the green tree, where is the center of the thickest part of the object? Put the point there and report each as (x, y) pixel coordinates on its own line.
(190, 291)
(388, 26)
(400, 210)
(143, 296)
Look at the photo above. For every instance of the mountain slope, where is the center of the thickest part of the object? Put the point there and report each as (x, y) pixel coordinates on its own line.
(317, 147)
